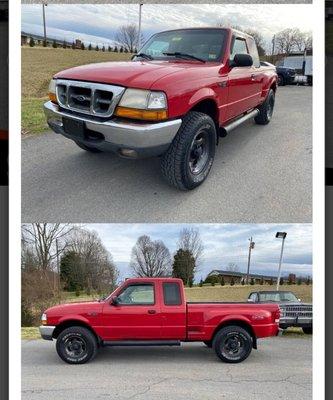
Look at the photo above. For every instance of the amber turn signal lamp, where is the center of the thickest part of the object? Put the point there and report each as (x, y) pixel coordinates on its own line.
(53, 97)
(146, 115)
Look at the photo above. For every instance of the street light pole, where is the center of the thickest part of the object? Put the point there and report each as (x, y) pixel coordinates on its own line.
(251, 246)
(139, 30)
(280, 235)
(44, 21)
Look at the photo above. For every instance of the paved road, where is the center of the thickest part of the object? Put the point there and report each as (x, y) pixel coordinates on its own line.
(260, 174)
(280, 369)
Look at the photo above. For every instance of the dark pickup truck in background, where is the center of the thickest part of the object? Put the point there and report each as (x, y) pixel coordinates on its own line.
(293, 311)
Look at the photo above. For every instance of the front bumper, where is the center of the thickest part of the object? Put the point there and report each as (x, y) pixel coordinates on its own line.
(138, 139)
(46, 332)
(301, 322)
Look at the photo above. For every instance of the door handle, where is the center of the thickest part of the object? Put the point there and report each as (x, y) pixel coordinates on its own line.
(151, 311)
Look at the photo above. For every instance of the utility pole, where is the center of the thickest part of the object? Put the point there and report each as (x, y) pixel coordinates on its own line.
(273, 45)
(280, 235)
(251, 246)
(58, 267)
(44, 21)
(139, 30)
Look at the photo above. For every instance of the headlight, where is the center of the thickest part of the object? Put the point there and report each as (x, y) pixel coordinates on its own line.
(44, 319)
(52, 91)
(142, 104)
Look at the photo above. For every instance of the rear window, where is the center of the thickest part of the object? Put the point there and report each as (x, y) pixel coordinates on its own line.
(171, 294)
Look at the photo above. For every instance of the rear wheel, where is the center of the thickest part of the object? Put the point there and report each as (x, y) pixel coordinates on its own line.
(307, 330)
(88, 148)
(232, 344)
(189, 158)
(266, 109)
(76, 345)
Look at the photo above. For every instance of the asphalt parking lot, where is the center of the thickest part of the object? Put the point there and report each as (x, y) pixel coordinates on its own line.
(260, 174)
(281, 367)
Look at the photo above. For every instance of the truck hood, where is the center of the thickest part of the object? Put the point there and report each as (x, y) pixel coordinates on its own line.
(138, 74)
(72, 307)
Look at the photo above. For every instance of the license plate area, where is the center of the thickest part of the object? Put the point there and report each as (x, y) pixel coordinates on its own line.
(74, 128)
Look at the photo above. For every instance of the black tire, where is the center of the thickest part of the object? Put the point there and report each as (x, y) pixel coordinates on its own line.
(307, 330)
(76, 345)
(188, 160)
(281, 80)
(266, 109)
(208, 343)
(88, 148)
(232, 344)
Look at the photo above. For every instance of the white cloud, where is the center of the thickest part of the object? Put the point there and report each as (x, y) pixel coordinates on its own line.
(89, 22)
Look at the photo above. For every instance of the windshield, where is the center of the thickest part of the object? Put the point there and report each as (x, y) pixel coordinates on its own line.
(204, 44)
(278, 296)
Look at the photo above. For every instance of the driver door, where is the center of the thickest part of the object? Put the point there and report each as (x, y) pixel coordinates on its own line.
(137, 315)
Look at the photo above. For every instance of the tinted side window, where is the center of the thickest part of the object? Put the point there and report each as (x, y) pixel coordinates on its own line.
(239, 47)
(254, 53)
(171, 294)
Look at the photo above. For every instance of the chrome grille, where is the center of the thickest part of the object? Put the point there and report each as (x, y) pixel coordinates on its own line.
(296, 311)
(95, 99)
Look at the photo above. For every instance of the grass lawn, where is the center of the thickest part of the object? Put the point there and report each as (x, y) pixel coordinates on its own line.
(39, 64)
(205, 293)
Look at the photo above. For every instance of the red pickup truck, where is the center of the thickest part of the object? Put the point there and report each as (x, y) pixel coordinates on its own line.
(153, 311)
(183, 91)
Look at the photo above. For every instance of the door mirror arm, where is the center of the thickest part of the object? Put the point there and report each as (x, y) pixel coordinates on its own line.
(114, 300)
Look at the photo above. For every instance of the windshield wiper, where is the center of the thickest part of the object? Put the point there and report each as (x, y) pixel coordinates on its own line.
(184, 55)
(143, 55)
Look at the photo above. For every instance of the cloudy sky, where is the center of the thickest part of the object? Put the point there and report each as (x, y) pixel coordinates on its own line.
(223, 244)
(99, 23)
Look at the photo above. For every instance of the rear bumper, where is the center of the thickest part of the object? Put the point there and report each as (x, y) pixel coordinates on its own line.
(142, 139)
(46, 332)
(262, 331)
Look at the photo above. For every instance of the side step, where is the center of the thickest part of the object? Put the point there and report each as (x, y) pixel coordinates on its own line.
(141, 343)
(234, 124)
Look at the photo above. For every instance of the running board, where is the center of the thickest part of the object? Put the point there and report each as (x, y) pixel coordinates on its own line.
(141, 343)
(228, 128)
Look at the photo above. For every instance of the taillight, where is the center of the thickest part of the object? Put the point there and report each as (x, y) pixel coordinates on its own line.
(277, 315)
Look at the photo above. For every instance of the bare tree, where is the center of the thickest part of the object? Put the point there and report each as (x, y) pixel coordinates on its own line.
(128, 37)
(288, 40)
(259, 40)
(150, 258)
(93, 263)
(232, 267)
(190, 240)
(46, 241)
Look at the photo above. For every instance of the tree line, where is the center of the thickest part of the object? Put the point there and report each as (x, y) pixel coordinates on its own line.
(283, 42)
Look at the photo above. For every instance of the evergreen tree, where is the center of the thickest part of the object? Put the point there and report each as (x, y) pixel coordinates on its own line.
(103, 48)
(90, 46)
(222, 281)
(115, 49)
(54, 44)
(32, 42)
(201, 282)
(83, 47)
(281, 281)
(97, 48)
(73, 46)
(183, 266)
(232, 281)
(44, 43)
(64, 44)
(299, 281)
(121, 49)
(252, 281)
(109, 49)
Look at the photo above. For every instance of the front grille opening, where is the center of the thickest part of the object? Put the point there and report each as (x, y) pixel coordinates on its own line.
(102, 101)
(79, 98)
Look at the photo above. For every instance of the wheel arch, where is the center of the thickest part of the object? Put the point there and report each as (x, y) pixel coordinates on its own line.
(237, 322)
(73, 322)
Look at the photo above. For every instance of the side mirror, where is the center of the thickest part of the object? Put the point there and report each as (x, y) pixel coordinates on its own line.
(133, 56)
(242, 60)
(114, 300)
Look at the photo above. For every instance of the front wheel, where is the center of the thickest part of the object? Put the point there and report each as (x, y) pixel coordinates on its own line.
(76, 345)
(188, 160)
(232, 344)
(266, 109)
(281, 81)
